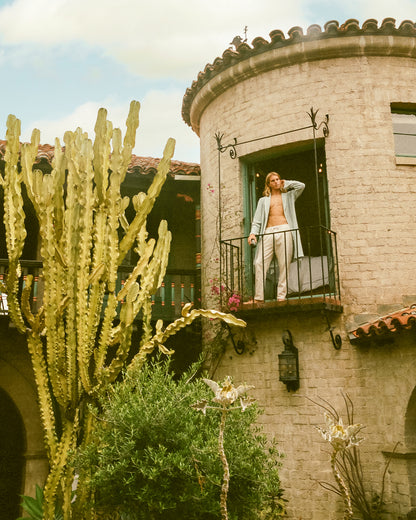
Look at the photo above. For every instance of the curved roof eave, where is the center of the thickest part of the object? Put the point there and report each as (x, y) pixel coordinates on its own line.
(334, 42)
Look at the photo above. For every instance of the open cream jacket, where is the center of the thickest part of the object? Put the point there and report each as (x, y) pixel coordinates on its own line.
(261, 216)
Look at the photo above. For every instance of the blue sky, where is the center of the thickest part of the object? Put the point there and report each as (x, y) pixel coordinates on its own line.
(61, 60)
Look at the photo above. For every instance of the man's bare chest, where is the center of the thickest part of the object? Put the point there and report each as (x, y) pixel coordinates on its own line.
(276, 205)
(276, 212)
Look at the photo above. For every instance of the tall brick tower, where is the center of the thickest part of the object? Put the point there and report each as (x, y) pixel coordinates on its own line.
(334, 109)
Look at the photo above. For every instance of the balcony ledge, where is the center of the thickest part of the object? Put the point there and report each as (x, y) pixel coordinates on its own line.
(290, 306)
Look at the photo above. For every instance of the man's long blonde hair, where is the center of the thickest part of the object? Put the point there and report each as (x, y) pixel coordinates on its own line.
(267, 191)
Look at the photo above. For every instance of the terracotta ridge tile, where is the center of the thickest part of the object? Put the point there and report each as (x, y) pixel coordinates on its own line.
(394, 322)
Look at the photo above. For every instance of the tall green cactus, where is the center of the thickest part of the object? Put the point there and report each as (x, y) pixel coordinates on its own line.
(85, 236)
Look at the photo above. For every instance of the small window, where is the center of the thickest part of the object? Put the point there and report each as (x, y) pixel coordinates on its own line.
(404, 129)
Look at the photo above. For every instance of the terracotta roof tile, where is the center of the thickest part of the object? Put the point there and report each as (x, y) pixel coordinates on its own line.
(332, 29)
(383, 328)
(139, 165)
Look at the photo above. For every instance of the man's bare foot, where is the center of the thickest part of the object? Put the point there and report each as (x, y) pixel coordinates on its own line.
(255, 302)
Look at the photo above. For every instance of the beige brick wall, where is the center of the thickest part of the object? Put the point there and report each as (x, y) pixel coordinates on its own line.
(373, 211)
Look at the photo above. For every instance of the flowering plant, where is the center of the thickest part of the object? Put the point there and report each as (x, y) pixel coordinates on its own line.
(226, 395)
(339, 436)
(345, 441)
(230, 298)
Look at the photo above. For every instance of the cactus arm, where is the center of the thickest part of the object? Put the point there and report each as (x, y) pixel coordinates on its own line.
(188, 316)
(151, 278)
(82, 246)
(97, 292)
(159, 262)
(110, 312)
(106, 333)
(147, 324)
(99, 259)
(154, 190)
(138, 296)
(138, 270)
(14, 218)
(25, 301)
(45, 402)
(53, 274)
(59, 466)
(109, 374)
(28, 156)
(132, 125)
(41, 191)
(58, 176)
(103, 131)
(69, 225)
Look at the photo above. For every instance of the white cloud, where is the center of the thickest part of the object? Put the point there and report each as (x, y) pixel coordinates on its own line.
(165, 38)
(155, 39)
(158, 39)
(83, 116)
(380, 9)
(158, 121)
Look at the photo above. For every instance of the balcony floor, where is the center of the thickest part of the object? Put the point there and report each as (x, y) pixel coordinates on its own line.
(292, 305)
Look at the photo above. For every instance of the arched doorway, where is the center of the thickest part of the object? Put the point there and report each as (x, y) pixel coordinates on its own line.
(410, 439)
(12, 448)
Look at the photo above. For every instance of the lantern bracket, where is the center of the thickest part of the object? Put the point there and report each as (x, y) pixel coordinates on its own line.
(335, 338)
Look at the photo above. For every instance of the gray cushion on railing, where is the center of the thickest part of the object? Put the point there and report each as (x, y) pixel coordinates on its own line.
(308, 273)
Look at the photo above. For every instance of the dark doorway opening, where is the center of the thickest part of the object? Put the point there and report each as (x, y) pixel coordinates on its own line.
(312, 207)
(12, 448)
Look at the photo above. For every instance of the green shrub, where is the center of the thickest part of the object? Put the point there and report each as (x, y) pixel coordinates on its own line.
(153, 457)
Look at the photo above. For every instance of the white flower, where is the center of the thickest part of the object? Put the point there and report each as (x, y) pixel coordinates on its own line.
(227, 394)
(338, 436)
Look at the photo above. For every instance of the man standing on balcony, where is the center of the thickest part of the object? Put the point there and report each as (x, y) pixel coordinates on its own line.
(275, 220)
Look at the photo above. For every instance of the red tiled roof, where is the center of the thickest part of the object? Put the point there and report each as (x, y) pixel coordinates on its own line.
(384, 327)
(332, 29)
(141, 165)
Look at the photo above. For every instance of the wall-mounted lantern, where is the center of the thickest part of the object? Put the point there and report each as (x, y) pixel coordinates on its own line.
(289, 363)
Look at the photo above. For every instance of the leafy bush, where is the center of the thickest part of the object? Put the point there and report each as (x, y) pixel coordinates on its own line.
(153, 457)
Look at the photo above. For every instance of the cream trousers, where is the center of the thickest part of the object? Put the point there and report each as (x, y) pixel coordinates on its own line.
(278, 241)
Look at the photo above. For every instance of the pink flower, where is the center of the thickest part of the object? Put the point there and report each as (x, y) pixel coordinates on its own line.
(234, 302)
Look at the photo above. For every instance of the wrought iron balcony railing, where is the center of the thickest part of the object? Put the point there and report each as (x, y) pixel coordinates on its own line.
(248, 281)
(180, 286)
